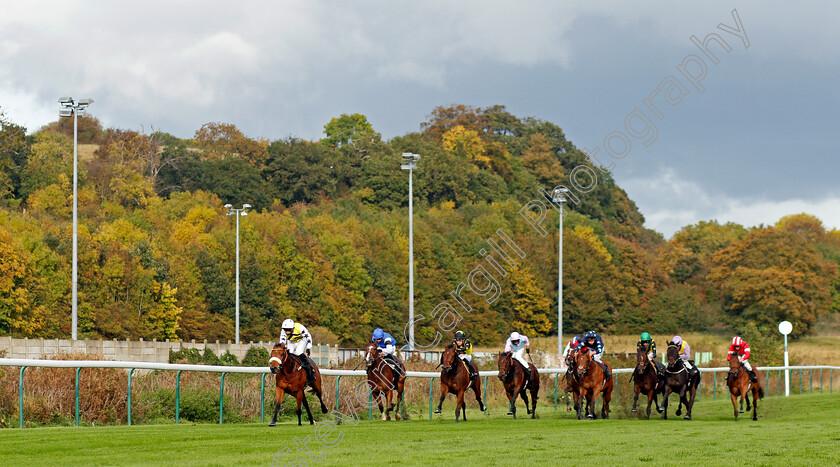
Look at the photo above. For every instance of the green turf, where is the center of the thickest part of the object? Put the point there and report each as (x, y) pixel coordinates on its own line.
(800, 430)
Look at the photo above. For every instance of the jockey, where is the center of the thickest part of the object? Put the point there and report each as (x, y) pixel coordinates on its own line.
(685, 352)
(464, 348)
(741, 349)
(297, 339)
(572, 346)
(647, 344)
(518, 344)
(595, 345)
(387, 345)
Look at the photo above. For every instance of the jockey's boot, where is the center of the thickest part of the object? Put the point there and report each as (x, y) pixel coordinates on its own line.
(753, 377)
(473, 372)
(306, 363)
(606, 370)
(527, 371)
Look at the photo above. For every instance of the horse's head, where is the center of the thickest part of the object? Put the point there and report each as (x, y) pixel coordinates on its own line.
(504, 364)
(672, 355)
(641, 361)
(583, 361)
(734, 367)
(449, 357)
(278, 356)
(571, 358)
(371, 352)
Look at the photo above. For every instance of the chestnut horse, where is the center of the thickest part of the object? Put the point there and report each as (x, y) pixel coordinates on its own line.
(512, 375)
(592, 382)
(679, 380)
(291, 379)
(455, 378)
(571, 380)
(384, 380)
(739, 385)
(646, 380)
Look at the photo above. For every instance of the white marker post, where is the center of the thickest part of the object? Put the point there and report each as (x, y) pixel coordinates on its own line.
(785, 328)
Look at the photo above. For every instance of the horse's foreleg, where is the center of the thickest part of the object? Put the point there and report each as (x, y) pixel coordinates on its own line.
(742, 403)
(636, 391)
(279, 399)
(459, 406)
(665, 402)
(734, 398)
(594, 402)
(755, 392)
(299, 396)
(477, 390)
(523, 393)
(651, 398)
(389, 404)
(535, 391)
(444, 390)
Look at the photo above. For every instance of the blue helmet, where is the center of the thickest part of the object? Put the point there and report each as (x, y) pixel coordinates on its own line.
(378, 333)
(591, 334)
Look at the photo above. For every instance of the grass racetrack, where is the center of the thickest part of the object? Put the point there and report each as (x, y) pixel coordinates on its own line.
(799, 430)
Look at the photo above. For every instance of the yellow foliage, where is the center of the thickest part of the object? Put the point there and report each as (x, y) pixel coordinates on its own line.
(588, 234)
(120, 231)
(460, 141)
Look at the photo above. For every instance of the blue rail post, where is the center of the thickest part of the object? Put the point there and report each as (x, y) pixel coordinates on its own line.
(20, 393)
(222, 397)
(178, 396)
(831, 381)
(800, 381)
(431, 383)
(811, 377)
(130, 372)
(555, 391)
(821, 380)
(700, 387)
(262, 398)
(370, 404)
(77, 395)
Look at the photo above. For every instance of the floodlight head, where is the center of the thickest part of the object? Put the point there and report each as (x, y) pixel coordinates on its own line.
(559, 194)
(411, 156)
(785, 327)
(246, 206)
(87, 101)
(65, 101)
(228, 206)
(243, 213)
(65, 112)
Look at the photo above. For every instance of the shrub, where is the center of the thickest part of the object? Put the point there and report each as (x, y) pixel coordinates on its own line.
(229, 359)
(256, 356)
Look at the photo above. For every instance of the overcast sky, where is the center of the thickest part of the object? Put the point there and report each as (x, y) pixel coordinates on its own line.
(760, 141)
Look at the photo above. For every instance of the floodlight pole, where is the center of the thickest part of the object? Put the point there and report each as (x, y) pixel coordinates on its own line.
(75, 107)
(560, 198)
(787, 371)
(410, 163)
(237, 212)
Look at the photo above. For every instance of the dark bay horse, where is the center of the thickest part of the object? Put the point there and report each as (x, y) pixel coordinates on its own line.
(679, 380)
(591, 383)
(384, 380)
(455, 378)
(291, 379)
(512, 375)
(739, 385)
(646, 380)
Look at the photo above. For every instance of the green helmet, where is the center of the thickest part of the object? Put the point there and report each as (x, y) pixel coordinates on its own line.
(460, 335)
(645, 336)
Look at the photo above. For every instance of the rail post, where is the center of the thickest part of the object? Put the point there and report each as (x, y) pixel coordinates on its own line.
(714, 386)
(431, 383)
(811, 377)
(485, 396)
(130, 372)
(262, 398)
(555, 391)
(370, 404)
(800, 381)
(77, 395)
(178, 396)
(20, 394)
(222, 397)
(821, 385)
(780, 382)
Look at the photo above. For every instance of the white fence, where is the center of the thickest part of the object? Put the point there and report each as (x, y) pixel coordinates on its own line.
(131, 366)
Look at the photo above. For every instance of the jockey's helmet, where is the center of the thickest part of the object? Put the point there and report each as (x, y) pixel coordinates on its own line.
(645, 336)
(677, 340)
(378, 334)
(288, 325)
(514, 336)
(737, 341)
(459, 335)
(591, 335)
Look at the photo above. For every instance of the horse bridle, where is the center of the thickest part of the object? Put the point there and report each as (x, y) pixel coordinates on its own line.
(678, 359)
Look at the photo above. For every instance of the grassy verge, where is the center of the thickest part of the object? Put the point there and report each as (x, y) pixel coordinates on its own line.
(804, 430)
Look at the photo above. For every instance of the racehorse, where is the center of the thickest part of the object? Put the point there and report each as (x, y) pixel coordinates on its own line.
(591, 382)
(739, 385)
(512, 375)
(291, 379)
(678, 379)
(646, 379)
(384, 380)
(571, 380)
(455, 378)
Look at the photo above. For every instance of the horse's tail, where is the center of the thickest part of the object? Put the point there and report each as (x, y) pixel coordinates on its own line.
(760, 392)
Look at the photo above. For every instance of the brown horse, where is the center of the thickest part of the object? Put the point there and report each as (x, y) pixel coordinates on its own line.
(512, 375)
(679, 380)
(291, 379)
(646, 380)
(739, 385)
(455, 378)
(591, 382)
(384, 380)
